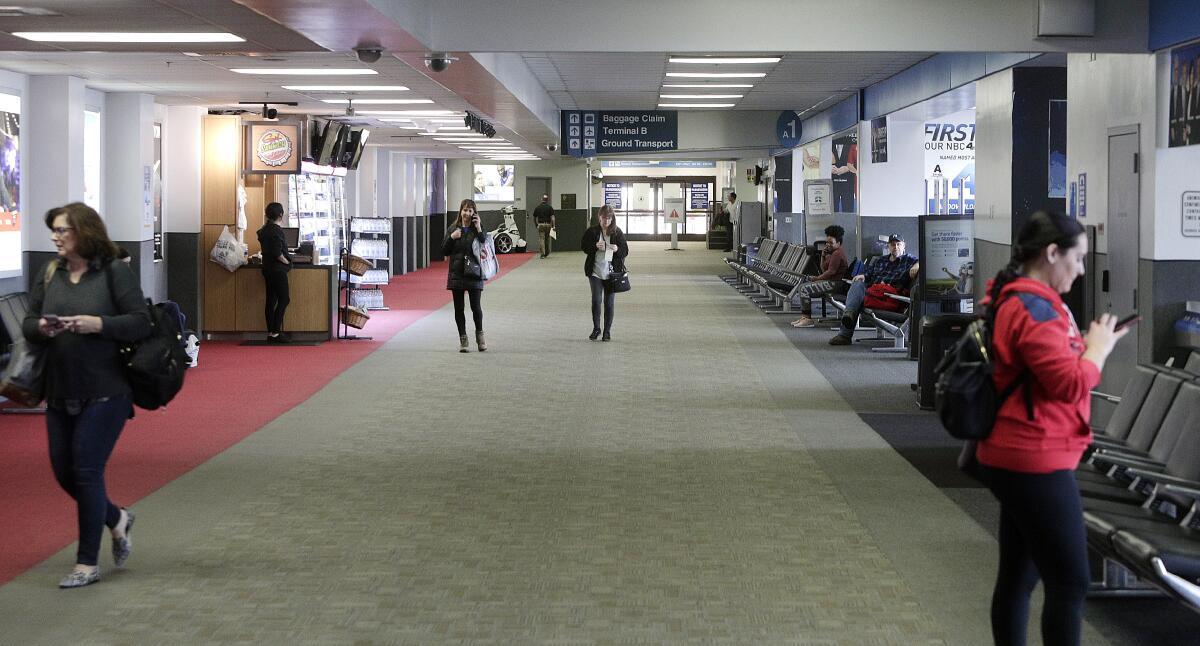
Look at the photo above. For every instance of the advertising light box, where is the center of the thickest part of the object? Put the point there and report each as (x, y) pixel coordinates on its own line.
(10, 186)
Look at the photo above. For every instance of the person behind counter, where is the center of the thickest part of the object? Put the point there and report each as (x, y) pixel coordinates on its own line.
(464, 278)
(82, 307)
(275, 266)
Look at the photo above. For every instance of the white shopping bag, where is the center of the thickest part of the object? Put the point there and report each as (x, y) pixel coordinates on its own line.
(228, 252)
(485, 251)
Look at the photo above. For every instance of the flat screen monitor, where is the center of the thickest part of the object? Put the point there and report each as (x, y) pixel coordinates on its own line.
(360, 143)
(291, 237)
(329, 143)
(341, 147)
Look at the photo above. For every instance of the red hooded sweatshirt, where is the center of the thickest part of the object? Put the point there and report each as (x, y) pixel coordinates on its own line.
(1035, 335)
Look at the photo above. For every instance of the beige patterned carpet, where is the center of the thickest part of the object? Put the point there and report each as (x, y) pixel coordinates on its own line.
(696, 481)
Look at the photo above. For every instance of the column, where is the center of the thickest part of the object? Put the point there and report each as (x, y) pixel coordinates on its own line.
(128, 161)
(52, 138)
(182, 151)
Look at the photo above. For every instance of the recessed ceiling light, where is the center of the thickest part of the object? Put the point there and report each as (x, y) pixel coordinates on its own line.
(718, 75)
(700, 96)
(410, 113)
(696, 105)
(306, 71)
(744, 60)
(346, 88)
(708, 85)
(377, 101)
(128, 37)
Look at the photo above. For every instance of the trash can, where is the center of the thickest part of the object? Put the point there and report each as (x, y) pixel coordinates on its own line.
(938, 334)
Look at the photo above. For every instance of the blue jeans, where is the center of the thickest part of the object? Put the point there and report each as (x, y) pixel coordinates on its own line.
(854, 301)
(79, 449)
(601, 292)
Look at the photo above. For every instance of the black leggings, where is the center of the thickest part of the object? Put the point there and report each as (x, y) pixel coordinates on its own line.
(277, 299)
(601, 291)
(460, 314)
(1041, 534)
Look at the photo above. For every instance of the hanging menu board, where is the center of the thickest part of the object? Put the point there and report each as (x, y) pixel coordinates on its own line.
(597, 132)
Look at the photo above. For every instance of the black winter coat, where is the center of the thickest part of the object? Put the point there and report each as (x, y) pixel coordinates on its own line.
(588, 245)
(455, 251)
(274, 245)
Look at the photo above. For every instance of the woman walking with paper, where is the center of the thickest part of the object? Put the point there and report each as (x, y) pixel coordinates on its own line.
(606, 249)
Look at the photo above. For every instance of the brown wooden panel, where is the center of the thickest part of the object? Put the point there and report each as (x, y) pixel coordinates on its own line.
(218, 288)
(220, 170)
(256, 203)
(310, 308)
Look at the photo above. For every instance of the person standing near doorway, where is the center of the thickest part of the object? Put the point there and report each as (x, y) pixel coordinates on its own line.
(733, 215)
(543, 215)
(276, 265)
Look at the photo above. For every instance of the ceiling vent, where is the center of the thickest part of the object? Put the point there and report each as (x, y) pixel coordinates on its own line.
(12, 11)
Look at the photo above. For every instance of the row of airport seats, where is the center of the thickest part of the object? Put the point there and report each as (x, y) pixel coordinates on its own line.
(1140, 482)
(776, 276)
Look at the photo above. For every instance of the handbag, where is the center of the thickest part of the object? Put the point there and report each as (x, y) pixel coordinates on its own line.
(485, 250)
(471, 268)
(618, 281)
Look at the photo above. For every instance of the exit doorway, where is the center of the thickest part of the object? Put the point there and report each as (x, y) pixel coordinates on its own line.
(638, 205)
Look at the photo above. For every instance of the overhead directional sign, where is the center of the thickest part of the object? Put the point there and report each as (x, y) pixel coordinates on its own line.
(585, 133)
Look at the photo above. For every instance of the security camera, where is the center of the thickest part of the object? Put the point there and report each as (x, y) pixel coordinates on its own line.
(438, 62)
(551, 147)
(368, 54)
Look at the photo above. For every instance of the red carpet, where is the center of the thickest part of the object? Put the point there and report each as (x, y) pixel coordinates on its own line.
(158, 446)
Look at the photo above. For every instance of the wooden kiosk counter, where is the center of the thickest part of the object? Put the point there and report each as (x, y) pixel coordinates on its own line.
(234, 303)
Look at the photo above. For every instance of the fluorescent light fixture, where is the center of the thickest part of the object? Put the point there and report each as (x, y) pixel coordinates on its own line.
(709, 86)
(700, 96)
(410, 113)
(128, 37)
(346, 88)
(440, 128)
(744, 60)
(468, 135)
(696, 105)
(377, 101)
(305, 71)
(718, 75)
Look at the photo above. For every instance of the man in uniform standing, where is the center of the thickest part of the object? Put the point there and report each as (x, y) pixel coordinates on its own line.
(543, 215)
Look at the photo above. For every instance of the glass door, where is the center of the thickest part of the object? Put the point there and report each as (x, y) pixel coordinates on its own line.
(641, 207)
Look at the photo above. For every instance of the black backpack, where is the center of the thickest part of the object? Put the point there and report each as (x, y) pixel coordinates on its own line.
(965, 395)
(156, 364)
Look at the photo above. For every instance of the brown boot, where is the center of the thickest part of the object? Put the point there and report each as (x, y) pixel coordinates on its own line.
(480, 341)
(463, 344)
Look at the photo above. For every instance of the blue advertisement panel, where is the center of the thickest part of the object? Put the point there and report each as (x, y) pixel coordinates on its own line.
(698, 196)
(612, 195)
(586, 133)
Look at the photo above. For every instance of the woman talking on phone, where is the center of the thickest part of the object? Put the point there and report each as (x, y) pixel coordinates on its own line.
(606, 249)
(465, 277)
(1041, 430)
(81, 309)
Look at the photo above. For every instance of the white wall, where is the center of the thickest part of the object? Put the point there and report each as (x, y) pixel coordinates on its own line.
(895, 188)
(129, 123)
(993, 157)
(52, 144)
(1112, 90)
(182, 138)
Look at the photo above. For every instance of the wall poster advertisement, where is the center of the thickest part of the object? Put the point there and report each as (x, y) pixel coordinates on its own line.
(950, 164)
(845, 172)
(273, 148)
(1184, 117)
(947, 259)
(810, 161)
(10, 186)
(612, 195)
(495, 182)
(879, 140)
(1057, 150)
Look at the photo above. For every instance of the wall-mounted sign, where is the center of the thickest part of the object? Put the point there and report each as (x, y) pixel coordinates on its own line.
(599, 132)
(673, 209)
(788, 129)
(950, 164)
(1082, 195)
(637, 163)
(818, 197)
(879, 140)
(273, 148)
(700, 197)
(1191, 214)
(612, 195)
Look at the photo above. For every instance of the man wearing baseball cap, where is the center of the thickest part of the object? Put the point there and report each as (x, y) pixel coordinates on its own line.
(896, 269)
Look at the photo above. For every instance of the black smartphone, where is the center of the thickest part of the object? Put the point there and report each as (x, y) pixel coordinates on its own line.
(1132, 319)
(52, 320)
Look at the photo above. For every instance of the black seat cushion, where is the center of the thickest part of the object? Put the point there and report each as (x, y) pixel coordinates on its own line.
(1178, 547)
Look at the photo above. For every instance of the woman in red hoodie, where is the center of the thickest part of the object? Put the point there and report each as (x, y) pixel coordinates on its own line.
(1042, 429)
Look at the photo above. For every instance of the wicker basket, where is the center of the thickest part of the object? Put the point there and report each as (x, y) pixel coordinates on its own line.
(355, 317)
(357, 265)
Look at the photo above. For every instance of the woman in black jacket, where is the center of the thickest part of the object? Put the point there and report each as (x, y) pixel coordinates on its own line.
(606, 249)
(81, 309)
(275, 267)
(464, 277)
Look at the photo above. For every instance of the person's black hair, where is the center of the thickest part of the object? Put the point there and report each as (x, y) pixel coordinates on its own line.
(274, 211)
(836, 232)
(733, 195)
(1042, 230)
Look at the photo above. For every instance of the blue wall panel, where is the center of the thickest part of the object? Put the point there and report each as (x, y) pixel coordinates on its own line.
(841, 115)
(931, 77)
(1173, 22)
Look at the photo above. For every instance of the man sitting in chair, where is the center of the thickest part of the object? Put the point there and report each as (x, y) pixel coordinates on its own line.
(833, 268)
(896, 269)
